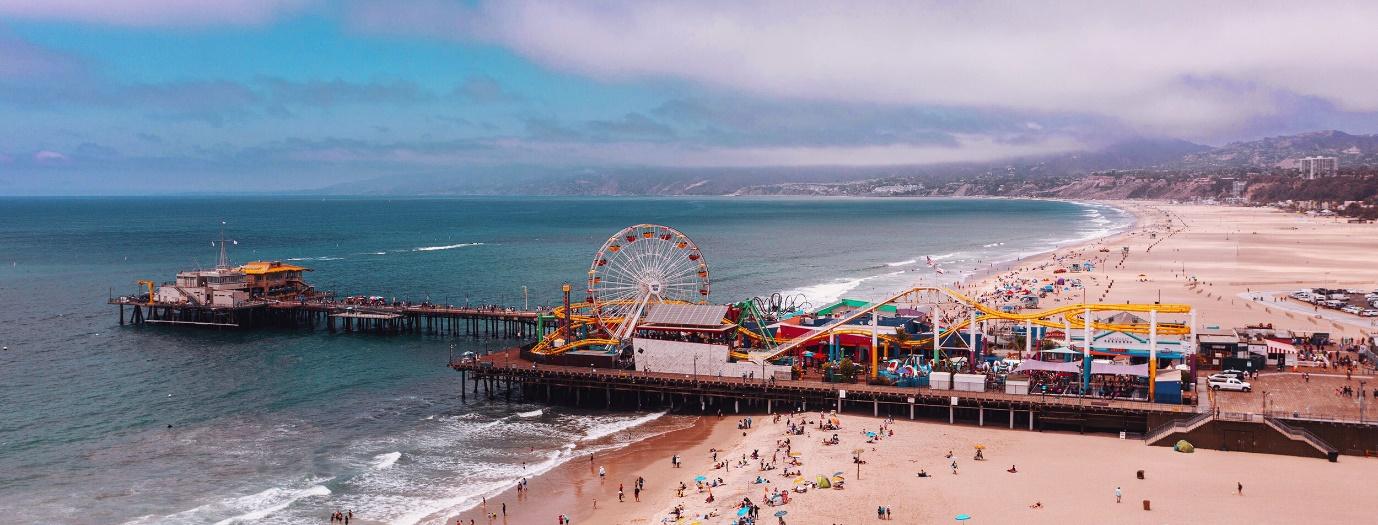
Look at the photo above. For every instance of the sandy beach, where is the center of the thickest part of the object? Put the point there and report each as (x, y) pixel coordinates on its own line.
(1073, 476)
(1215, 258)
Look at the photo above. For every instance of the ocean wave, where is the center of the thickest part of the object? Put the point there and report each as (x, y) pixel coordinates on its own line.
(446, 247)
(382, 461)
(992, 245)
(533, 413)
(322, 258)
(903, 263)
(608, 429)
(250, 508)
(825, 293)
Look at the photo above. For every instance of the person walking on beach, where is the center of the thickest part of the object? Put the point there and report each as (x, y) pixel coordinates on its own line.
(620, 496)
(1239, 488)
(602, 472)
(1118, 494)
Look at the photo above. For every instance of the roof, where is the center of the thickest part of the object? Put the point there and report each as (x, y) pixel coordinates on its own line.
(854, 303)
(1217, 338)
(686, 314)
(267, 267)
(1124, 318)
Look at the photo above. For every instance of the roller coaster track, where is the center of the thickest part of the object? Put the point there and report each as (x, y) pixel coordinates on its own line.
(1072, 315)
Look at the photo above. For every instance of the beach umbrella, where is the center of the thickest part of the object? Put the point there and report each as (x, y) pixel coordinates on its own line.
(980, 446)
(870, 434)
(742, 511)
(963, 517)
(781, 513)
(800, 480)
(838, 474)
(795, 454)
(701, 478)
(858, 450)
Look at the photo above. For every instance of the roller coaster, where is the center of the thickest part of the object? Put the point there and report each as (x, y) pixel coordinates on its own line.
(1073, 317)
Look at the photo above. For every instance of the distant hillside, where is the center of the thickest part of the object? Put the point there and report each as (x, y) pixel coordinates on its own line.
(1143, 168)
(1280, 151)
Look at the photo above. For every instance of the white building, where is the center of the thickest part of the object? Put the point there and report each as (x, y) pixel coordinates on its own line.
(1312, 167)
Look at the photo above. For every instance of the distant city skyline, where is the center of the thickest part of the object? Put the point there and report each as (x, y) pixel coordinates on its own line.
(162, 96)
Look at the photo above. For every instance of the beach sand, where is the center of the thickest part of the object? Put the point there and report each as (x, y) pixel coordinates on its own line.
(1074, 476)
(570, 489)
(1214, 257)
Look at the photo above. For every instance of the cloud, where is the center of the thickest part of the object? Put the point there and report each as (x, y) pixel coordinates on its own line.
(152, 13)
(633, 125)
(337, 92)
(20, 59)
(484, 89)
(48, 156)
(1181, 67)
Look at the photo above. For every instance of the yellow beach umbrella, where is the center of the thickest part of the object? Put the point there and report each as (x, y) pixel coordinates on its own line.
(980, 446)
(795, 454)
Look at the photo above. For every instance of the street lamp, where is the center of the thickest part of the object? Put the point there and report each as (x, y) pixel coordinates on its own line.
(1361, 400)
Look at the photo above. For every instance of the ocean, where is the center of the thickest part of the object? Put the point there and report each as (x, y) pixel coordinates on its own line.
(111, 424)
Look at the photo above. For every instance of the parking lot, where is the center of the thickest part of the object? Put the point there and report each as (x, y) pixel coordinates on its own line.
(1289, 392)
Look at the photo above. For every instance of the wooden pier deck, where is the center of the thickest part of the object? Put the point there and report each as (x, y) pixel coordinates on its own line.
(335, 315)
(707, 394)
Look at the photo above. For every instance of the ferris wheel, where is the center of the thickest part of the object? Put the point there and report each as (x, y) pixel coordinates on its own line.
(643, 265)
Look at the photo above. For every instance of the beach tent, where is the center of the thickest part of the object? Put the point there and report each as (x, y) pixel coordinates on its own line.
(1184, 446)
(823, 483)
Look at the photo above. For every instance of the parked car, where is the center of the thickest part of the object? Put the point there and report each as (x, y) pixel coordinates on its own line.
(1230, 384)
(1352, 310)
(1230, 373)
(1369, 313)
(1220, 377)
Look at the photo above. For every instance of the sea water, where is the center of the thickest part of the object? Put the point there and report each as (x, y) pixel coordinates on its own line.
(109, 424)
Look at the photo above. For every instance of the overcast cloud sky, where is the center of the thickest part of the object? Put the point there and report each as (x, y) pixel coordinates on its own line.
(189, 95)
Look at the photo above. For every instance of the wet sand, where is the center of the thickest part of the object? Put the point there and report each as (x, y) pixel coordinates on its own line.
(571, 489)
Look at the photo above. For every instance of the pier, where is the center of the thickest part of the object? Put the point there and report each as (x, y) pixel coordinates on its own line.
(517, 370)
(504, 323)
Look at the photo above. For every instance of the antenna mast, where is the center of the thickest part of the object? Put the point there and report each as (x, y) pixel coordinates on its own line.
(224, 262)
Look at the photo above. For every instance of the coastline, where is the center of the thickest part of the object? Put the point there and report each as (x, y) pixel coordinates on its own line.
(571, 487)
(1160, 236)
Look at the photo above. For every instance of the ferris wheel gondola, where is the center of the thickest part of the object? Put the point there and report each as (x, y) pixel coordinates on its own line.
(640, 266)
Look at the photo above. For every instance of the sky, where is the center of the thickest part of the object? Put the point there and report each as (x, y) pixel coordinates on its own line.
(168, 96)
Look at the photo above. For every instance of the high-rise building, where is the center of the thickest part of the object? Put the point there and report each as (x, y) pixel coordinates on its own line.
(1312, 167)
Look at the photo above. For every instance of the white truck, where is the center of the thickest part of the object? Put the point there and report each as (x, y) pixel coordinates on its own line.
(1220, 383)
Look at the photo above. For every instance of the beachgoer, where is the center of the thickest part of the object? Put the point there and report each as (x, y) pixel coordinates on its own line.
(1012, 470)
(1239, 488)
(602, 472)
(1118, 494)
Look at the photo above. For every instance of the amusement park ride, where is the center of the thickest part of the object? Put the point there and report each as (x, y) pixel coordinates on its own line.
(647, 306)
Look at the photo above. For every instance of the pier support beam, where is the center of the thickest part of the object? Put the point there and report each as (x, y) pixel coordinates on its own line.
(951, 414)
(981, 417)
(875, 407)
(911, 410)
(1011, 419)
(1030, 420)
(736, 406)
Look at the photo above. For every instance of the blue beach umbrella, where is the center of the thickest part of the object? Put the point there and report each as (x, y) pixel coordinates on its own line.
(742, 511)
(701, 478)
(963, 517)
(781, 514)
